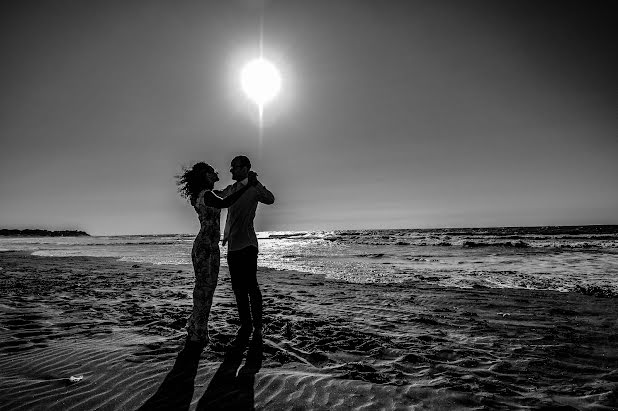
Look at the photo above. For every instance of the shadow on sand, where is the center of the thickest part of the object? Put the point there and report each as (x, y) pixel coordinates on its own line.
(176, 391)
(230, 388)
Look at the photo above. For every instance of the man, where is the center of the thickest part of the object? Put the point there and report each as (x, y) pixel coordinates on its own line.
(242, 246)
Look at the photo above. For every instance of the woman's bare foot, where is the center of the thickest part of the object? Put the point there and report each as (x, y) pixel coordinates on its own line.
(194, 340)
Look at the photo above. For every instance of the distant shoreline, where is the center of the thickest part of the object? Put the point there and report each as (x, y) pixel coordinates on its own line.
(42, 233)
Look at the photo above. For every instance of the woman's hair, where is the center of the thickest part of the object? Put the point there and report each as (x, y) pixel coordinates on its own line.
(193, 180)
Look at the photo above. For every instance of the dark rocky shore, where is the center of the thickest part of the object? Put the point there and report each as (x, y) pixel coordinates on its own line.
(42, 233)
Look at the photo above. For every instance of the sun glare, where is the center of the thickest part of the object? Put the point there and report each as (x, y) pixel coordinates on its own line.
(261, 81)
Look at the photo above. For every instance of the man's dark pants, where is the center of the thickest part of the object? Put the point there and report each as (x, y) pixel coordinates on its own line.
(243, 272)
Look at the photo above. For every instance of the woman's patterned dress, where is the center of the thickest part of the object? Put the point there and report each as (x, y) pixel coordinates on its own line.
(205, 256)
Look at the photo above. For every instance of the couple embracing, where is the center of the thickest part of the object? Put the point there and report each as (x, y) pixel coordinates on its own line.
(241, 199)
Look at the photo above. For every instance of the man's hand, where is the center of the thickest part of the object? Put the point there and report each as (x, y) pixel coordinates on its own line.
(252, 178)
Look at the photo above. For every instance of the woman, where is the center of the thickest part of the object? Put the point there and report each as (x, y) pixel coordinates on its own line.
(196, 184)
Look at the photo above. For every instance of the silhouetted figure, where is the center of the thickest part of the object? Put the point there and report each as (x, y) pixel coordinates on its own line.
(230, 388)
(242, 249)
(176, 390)
(196, 185)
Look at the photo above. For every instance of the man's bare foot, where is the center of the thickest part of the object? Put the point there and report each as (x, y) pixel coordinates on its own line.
(242, 337)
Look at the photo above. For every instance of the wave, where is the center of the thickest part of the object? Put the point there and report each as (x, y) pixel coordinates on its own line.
(291, 256)
(518, 244)
(523, 244)
(159, 260)
(491, 231)
(541, 230)
(283, 235)
(576, 238)
(125, 243)
(370, 255)
(299, 235)
(422, 259)
(513, 279)
(144, 243)
(596, 291)
(490, 241)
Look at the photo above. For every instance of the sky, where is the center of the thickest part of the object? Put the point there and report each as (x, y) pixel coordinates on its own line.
(392, 114)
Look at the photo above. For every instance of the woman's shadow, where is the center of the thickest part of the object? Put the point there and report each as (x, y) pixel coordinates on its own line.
(229, 388)
(176, 391)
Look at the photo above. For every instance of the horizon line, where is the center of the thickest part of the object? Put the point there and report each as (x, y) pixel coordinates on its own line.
(325, 230)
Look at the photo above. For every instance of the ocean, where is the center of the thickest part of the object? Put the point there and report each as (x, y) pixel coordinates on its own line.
(580, 259)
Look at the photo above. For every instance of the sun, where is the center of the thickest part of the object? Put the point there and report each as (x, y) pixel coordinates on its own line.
(261, 81)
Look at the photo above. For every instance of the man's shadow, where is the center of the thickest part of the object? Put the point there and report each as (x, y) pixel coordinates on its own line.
(230, 388)
(176, 391)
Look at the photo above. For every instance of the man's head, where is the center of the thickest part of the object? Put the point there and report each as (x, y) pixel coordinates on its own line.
(240, 167)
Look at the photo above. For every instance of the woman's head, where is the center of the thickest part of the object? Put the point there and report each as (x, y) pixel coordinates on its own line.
(196, 179)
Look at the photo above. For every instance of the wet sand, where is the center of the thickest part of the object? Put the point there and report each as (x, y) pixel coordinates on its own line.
(118, 329)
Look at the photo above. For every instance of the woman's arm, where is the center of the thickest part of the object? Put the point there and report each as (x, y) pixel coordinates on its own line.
(212, 200)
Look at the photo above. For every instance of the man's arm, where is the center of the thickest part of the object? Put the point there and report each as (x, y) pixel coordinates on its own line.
(263, 194)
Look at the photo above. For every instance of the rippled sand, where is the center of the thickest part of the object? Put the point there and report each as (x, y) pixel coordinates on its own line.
(117, 329)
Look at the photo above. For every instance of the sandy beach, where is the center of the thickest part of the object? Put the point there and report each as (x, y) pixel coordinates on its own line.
(81, 333)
